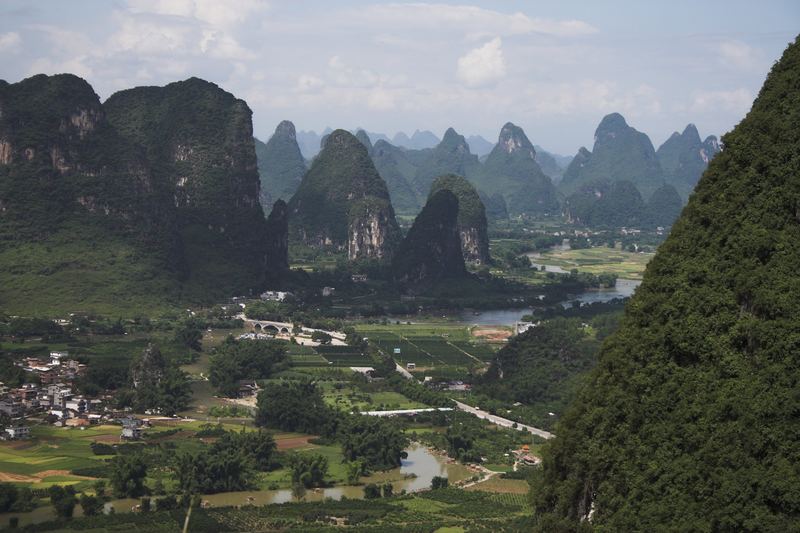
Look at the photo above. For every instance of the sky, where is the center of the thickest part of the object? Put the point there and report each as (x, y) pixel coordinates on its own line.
(553, 68)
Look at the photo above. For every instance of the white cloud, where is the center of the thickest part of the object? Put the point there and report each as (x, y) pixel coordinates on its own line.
(482, 66)
(471, 20)
(9, 42)
(216, 13)
(736, 101)
(737, 54)
(381, 100)
(307, 83)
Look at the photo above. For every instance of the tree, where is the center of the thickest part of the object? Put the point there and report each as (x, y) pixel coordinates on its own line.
(321, 337)
(91, 505)
(355, 469)
(189, 336)
(308, 469)
(439, 482)
(371, 491)
(259, 446)
(388, 490)
(127, 475)
(377, 442)
(63, 500)
(236, 360)
(294, 406)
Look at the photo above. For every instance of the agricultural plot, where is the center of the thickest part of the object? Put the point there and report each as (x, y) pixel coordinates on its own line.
(599, 260)
(313, 359)
(344, 356)
(482, 351)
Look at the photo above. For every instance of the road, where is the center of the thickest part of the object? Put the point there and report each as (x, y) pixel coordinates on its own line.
(500, 421)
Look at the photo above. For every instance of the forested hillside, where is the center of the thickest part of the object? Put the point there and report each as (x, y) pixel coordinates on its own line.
(690, 421)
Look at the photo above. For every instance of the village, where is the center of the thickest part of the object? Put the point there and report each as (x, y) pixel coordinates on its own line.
(55, 401)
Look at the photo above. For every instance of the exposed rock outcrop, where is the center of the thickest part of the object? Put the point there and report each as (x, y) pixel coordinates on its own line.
(472, 224)
(343, 203)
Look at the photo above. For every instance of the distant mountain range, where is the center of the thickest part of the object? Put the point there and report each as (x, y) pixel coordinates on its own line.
(516, 177)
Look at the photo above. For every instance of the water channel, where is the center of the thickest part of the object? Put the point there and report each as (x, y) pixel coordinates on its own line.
(415, 473)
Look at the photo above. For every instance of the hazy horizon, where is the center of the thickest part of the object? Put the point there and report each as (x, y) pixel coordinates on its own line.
(554, 70)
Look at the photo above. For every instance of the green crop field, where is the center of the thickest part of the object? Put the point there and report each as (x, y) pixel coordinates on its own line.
(344, 356)
(599, 260)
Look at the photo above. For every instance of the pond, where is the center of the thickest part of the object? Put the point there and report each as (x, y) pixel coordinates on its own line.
(508, 317)
(415, 473)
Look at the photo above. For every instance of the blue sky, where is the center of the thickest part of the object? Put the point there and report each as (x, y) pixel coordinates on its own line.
(554, 68)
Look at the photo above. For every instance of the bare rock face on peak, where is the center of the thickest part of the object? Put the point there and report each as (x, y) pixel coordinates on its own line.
(472, 224)
(343, 203)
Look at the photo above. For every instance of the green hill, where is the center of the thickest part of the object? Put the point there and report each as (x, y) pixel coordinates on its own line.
(664, 206)
(85, 224)
(398, 170)
(603, 204)
(684, 157)
(472, 225)
(619, 153)
(432, 249)
(280, 165)
(690, 420)
(343, 203)
(199, 140)
(450, 156)
(511, 170)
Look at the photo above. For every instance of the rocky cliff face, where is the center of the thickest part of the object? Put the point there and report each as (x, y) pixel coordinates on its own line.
(277, 235)
(472, 224)
(432, 249)
(280, 165)
(77, 203)
(200, 138)
(149, 198)
(511, 170)
(343, 203)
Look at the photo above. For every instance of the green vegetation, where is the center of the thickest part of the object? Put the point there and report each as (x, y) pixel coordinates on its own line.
(339, 190)
(280, 165)
(432, 249)
(450, 156)
(689, 420)
(472, 225)
(683, 157)
(511, 170)
(446, 509)
(619, 153)
(235, 360)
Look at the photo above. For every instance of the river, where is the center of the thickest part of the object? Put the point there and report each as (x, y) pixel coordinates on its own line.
(414, 474)
(508, 317)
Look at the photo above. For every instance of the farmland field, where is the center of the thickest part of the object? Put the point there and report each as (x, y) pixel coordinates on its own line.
(344, 356)
(598, 260)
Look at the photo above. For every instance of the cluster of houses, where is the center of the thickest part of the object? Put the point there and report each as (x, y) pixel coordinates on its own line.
(54, 397)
